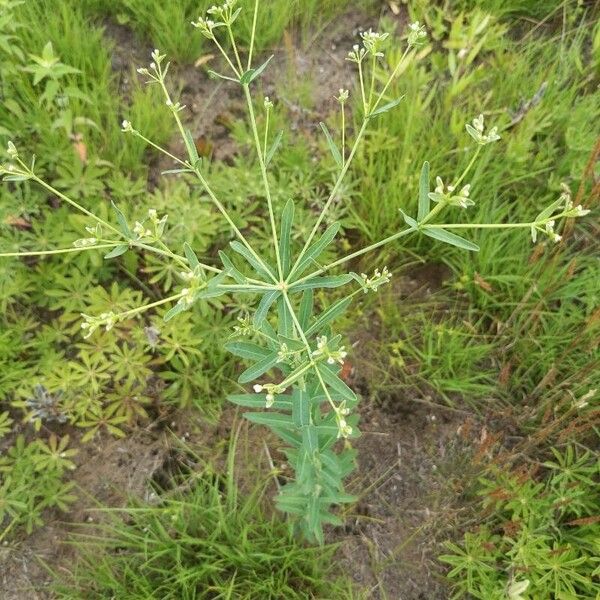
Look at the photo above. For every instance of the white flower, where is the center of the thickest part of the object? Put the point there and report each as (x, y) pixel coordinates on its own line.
(12, 151)
(270, 399)
(267, 103)
(516, 589)
(417, 34)
(343, 96)
(447, 195)
(372, 41)
(372, 283)
(126, 126)
(476, 131)
(257, 388)
(356, 54)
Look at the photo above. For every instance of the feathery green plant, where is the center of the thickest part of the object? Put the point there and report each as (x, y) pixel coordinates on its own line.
(294, 352)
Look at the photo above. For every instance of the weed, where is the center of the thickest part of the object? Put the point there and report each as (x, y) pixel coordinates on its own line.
(301, 347)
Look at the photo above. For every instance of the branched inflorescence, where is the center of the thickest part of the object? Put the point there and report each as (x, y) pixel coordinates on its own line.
(294, 354)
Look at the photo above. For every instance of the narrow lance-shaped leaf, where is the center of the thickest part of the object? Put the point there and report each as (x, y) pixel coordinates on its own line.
(332, 147)
(315, 250)
(117, 251)
(250, 75)
(332, 281)
(250, 258)
(233, 272)
(450, 238)
(271, 419)
(190, 255)
(386, 107)
(334, 311)
(276, 142)
(285, 241)
(190, 146)
(248, 350)
(259, 368)
(424, 202)
(306, 308)
(286, 324)
(122, 221)
(263, 308)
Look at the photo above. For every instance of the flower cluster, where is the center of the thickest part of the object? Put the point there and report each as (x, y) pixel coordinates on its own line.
(570, 210)
(344, 430)
(343, 96)
(449, 195)
(11, 151)
(356, 54)
(271, 389)
(105, 319)
(268, 103)
(417, 35)
(224, 14)
(476, 131)
(245, 326)
(158, 73)
(371, 284)
(332, 356)
(196, 281)
(373, 41)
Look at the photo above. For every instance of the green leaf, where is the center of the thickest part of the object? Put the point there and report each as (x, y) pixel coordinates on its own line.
(306, 308)
(329, 315)
(336, 384)
(315, 249)
(450, 238)
(247, 350)
(300, 408)
(250, 75)
(259, 401)
(191, 147)
(409, 220)
(263, 308)
(332, 281)
(233, 272)
(332, 147)
(386, 107)
(285, 240)
(250, 258)
(276, 142)
(259, 368)
(175, 310)
(212, 73)
(310, 438)
(190, 255)
(286, 324)
(121, 220)
(424, 202)
(271, 419)
(117, 251)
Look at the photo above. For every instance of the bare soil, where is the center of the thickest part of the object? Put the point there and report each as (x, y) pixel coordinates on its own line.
(412, 452)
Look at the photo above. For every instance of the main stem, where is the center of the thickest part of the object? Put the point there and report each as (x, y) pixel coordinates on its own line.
(265, 178)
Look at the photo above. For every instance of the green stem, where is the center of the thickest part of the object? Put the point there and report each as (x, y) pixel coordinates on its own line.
(331, 198)
(160, 149)
(80, 208)
(356, 254)
(343, 135)
(252, 35)
(264, 152)
(471, 163)
(59, 250)
(308, 349)
(207, 188)
(238, 75)
(265, 178)
(362, 86)
(392, 77)
(140, 309)
(235, 50)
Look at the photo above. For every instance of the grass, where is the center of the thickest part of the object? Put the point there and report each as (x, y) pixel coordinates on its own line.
(204, 540)
(526, 303)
